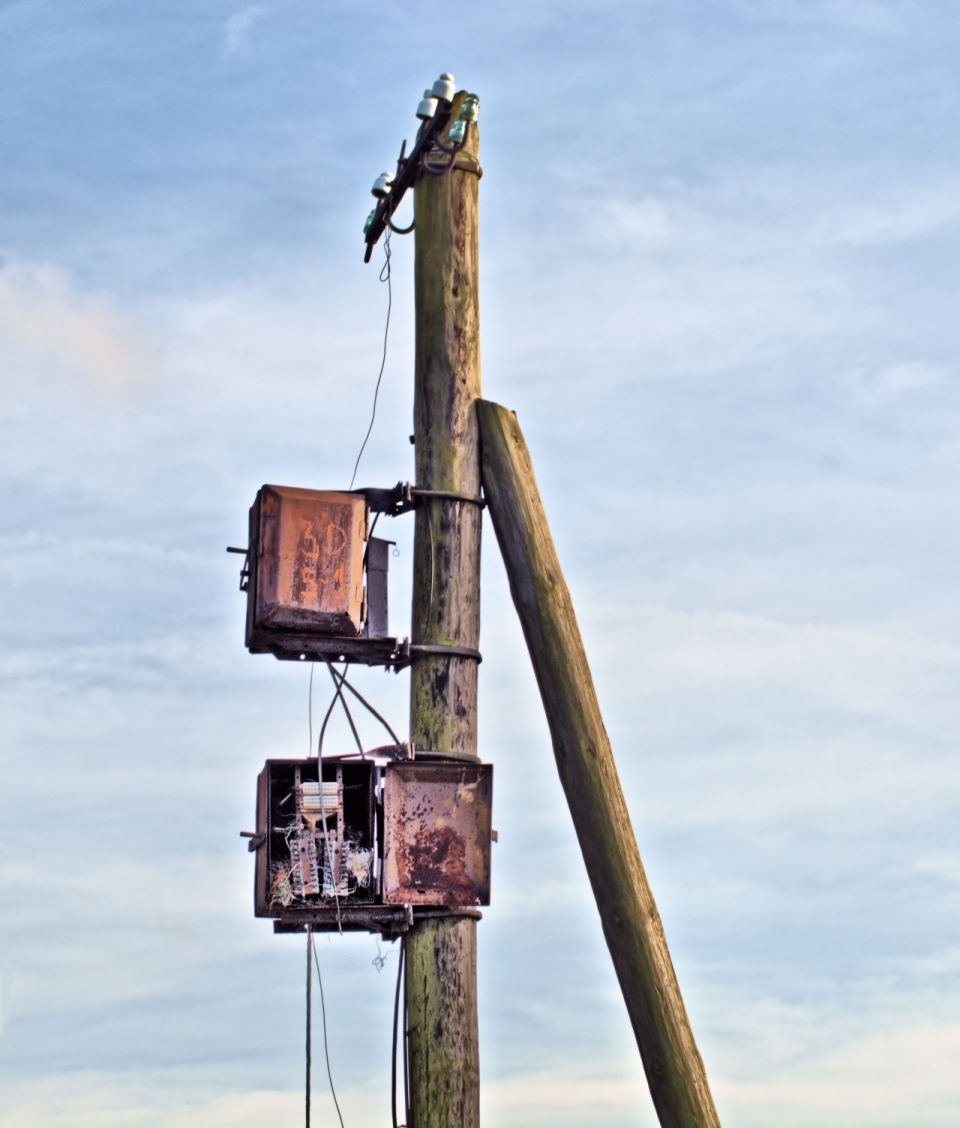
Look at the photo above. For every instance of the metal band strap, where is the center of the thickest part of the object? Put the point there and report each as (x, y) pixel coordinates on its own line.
(444, 651)
(449, 495)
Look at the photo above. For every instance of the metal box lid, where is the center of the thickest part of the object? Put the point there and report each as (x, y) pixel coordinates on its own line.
(437, 828)
(309, 560)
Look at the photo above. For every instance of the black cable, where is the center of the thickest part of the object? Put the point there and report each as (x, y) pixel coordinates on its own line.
(376, 518)
(406, 1041)
(383, 363)
(363, 701)
(396, 1024)
(323, 813)
(309, 990)
(323, 727)
(340, 679)
(346, 708)
(326, 1048)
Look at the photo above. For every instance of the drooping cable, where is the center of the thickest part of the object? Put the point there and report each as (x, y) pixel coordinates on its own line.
(396, 1028)
(346, 707)
(323, 727)
(309, 1001)
(323, 807)
(406, 1041)
(370, 709)
(326, 1045)
(310, 713)
(384, 277)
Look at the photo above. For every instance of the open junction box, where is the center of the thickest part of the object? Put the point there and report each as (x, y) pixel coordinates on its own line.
(371, 843)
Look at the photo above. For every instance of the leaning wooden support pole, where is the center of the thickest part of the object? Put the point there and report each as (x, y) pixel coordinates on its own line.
(631, 923)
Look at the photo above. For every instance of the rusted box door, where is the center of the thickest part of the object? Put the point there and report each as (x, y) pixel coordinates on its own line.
(436, 838)
(307, 548)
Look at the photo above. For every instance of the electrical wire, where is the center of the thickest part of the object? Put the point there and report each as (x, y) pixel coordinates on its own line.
(309, 1008)
(339, 681)
(396, 1025)
(310, 713)
(346, 708)
(326, 1046)
(366, 704)
(323, 807)
(323, 727)
(406, 1043)
(384, 277)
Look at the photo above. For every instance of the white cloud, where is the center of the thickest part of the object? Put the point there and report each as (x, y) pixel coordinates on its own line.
(906, 376)
(904, 216)
(237, 28)
(43, 317)
(889, 1079)
(572, 1097)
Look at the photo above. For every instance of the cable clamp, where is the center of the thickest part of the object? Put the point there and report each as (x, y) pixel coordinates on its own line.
(403, 498)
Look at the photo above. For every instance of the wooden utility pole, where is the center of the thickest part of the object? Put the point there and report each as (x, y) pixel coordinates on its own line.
(631, 923)
(442, 953)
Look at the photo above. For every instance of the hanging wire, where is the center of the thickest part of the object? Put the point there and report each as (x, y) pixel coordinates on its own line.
(339, 681)
(396, 1028)
(366, 704)
(310, 713)
(406, 1043)
(384, 277)
(346, 707)
(323, 806)
(326, 1044)
(309, 1004)
(323, 727)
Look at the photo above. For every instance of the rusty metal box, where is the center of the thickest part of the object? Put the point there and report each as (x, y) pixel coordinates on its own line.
(317, 840)
(353, 844)
(306, 563)
(437, 833)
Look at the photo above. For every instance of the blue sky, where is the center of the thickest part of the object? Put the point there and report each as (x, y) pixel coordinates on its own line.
(719, 282)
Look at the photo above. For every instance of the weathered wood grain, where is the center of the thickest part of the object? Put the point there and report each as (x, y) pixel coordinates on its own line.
(441, 971)
(631, 923)
(441, 980)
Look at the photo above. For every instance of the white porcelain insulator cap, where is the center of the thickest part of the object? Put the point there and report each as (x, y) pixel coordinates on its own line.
(381, 186)
(427, 107)
(445, 87)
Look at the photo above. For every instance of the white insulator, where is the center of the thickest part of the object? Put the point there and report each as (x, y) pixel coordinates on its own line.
(445, 87)
(427, 107)
(381, 186)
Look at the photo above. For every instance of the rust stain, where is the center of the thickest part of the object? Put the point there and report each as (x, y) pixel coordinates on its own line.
(437, 833)
(311, 564)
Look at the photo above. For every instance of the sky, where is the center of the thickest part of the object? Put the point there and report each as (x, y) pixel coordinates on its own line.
(719, 281)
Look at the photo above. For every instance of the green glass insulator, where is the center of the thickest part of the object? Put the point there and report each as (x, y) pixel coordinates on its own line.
(370, 218)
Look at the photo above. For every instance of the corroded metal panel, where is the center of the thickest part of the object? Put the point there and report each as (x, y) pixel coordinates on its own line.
(437, 833)
(309, 560)
(378, 565)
